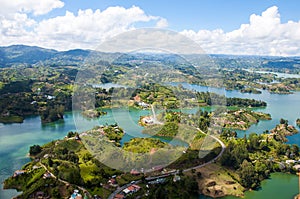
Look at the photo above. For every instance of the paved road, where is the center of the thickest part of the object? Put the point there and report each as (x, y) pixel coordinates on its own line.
(122, 188)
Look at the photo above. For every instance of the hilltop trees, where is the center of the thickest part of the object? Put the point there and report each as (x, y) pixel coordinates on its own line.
(34, 150)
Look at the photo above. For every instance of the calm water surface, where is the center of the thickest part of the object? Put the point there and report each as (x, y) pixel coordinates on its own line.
(15, 139)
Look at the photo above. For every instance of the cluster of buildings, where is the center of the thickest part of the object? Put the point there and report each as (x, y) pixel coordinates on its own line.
(128, 191)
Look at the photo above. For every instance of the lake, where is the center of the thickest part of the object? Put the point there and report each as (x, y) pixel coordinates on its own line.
(15, 139)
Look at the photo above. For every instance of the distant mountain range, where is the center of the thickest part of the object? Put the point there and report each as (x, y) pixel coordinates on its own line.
(33, 55)
(28, 55)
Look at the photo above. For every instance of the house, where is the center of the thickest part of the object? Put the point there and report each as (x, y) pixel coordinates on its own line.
(143, 104)
(112, 182)
(137, 98)
(76, 195)
(132, 189)
(297, 167)
(134, 172)
(148, 120)
(19, 172)
(77, 137)
(47, 175)
(290, 161)
(176, 178)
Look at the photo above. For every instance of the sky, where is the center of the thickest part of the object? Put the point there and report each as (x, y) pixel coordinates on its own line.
(244, 27)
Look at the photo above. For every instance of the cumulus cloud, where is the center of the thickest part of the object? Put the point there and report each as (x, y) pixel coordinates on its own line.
(162, 23)
(88, 28)
(37, 7)
(84, 29)
(263, 35)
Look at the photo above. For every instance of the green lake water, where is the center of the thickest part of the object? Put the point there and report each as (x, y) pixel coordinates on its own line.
(15, 139)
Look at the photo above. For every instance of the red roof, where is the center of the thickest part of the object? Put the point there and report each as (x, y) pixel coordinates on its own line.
(136, 186)
(134, 172)
(137, 98)
(131, 188)
(119, 196)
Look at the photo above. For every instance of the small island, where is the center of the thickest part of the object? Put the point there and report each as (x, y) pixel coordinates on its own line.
(242, 119)
(93, 113)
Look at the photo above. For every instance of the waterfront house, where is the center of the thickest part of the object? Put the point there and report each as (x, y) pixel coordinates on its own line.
(19, 172)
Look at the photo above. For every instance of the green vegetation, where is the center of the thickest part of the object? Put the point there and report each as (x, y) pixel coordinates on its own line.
(256, 156)
(170, 189)
(241, 119)
(45, 88)
(114, 133)
(216, 99)
(251, 90)
(143, 145)
(282, 130)
(11, 119)
(34, 150)
(67, 160)
(298, 121)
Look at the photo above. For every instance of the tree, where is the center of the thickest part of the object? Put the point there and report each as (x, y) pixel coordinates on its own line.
(50, 162)
(283, 121)
(35, 149)
(295, 149)
(160, 193)
(248, 175)
(253, 143)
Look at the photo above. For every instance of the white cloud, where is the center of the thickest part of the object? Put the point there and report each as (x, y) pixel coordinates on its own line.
(85, 29)
(263, 35)
(37, 7)
(90, 27)
(162, 23)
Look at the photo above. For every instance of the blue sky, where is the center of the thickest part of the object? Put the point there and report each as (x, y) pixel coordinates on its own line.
(261, 27)
(196, 14)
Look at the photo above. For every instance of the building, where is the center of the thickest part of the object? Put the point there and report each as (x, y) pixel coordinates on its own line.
(19, 172)
(176, 178)
(47, 175)
(119, 196)
(76, 195)
(134, 172)
(132, 189)
(290, 161)
(112, 182)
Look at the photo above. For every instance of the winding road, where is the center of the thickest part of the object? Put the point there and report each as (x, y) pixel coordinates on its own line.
(212, 160)
(185, 170)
